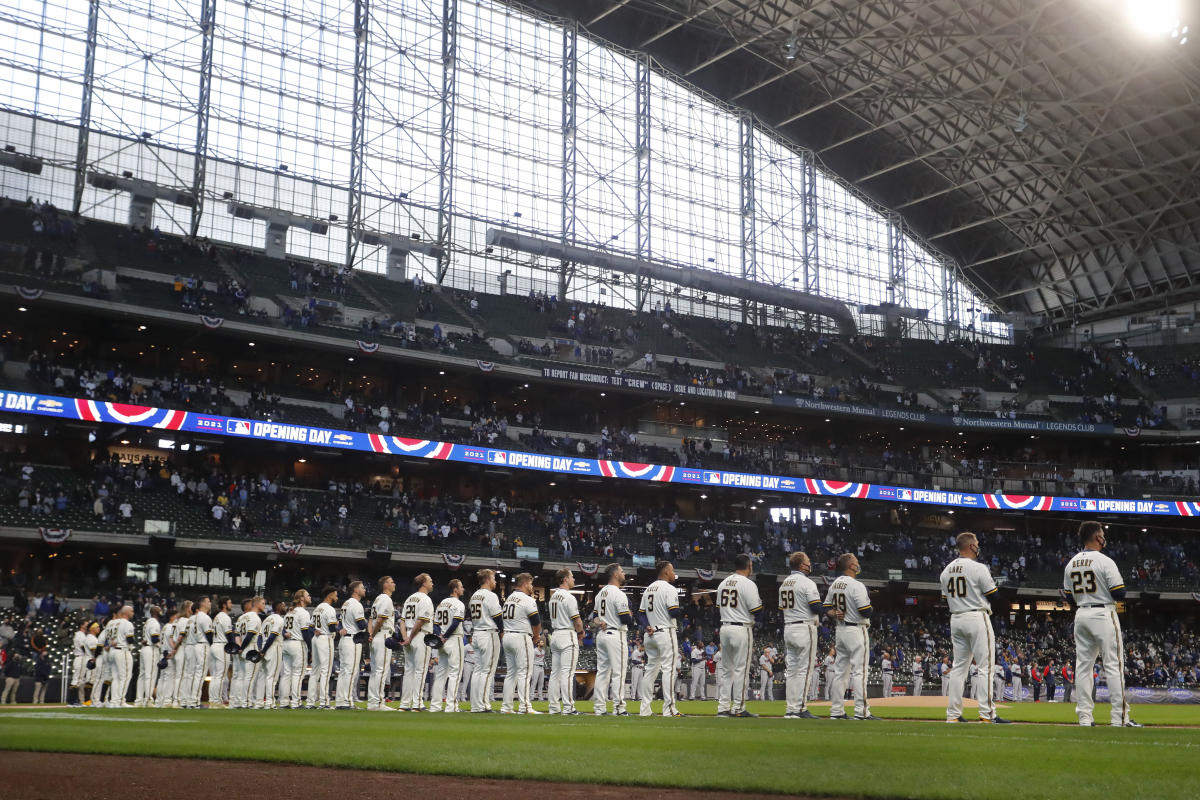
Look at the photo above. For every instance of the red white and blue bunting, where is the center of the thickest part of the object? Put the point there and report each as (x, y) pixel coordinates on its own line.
(367, 347)
(1196, 596)
(289, 548)
(30, 294)
(54, 535)
(486, 366)
(589, 569)
(704, 574)
(453, 561)
(212, 323)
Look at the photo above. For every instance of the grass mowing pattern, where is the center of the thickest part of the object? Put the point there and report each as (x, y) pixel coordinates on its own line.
(879, 759)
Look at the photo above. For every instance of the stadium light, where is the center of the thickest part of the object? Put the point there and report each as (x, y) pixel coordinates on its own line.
(278, 223)
(1153, 18)
(9, 157)
(142, 194)
(399, 247)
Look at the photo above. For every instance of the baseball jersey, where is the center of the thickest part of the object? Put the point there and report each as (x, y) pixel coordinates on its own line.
(151, 632)
(273, 624)
(179, 632)
(222, 626)
(80, 645)
(659, 599)
(164, 641)
(738, 599)
(1092, 577)
(485, 609)
(518, 609)
(123, 635)
(966, 585)
(564, 610)
(637, 657)
(108, 636)
(296, 622)
(383, 609)
(418, 606)
(353, 617)
(797, 593)
(248, 624)
(198, 631)
(469, 653)
(325, 620)
(447, 611)
(885, 666)
(539, 656)
(849, 596)
(610, 604)
(764, 662)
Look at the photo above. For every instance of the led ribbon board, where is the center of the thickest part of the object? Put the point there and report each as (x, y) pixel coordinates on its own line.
(235, 427)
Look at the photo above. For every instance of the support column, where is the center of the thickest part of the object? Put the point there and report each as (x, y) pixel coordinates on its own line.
(362, 14)
(85, 107)
(749, 210)
(642, 210)
(897, 271)
(446, 163)
(570, 94)
(811, 229)
(208, 20)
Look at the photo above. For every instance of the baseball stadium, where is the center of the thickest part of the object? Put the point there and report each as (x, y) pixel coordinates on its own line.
(802, 397)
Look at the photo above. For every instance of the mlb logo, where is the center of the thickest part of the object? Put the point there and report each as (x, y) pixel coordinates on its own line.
(1087, 505)
(238, 426)
(712, 477)
(496, 457)
(905, 494)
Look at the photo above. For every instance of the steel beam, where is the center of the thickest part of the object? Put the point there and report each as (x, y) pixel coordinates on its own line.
(446, 159)
(358, 118)
(85, 106)
(749, 210)
(642, 212)
(570, 152)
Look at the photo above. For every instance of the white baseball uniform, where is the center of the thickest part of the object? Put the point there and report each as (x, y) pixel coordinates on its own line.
(486, 614)
(80, 655)
(800, 604)
(520, 615)
(660, 604)
(218, 659)
(121, 644)
(164, 682)
(382, 610)
(104, 663)
(295, 655)
(918, 678)
(418, 607)
(966, 585)
(1092, 578)
(637, 666)
(699, 664)
(612, 649)
(849, 596)
(537, 675)
(738, 600)
(324, 646)
(354, 622)
(564, 650)
(147, 662)
(468, 670)
(247, 628)
(449, 670)
(266, 677)
(195, 658)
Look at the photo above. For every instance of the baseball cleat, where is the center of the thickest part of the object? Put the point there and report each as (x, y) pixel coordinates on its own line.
(867, 717)
(676, 714)
(838, 716)
(957, 719)
(1086, 724)
(1000, 721)
(531, 711)
(620, 713)
(745, 714)
(1132, 724)
(724, 714)
(806, 714)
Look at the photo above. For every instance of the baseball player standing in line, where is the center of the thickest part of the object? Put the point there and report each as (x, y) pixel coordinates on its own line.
(487, 619)
(148, 658)
(800, 602)
(218, 656)
(195, 656)
(172, 677)
(886, 672)
(104, 664)
(266, 676)
(80, 655)
(998, 682)
(1016, 669)
(849, 603)
(918, 674)
(537, 676)
(354, 636)
(383, 626)
(522, 627)
(1094, 585)
(830, 664)
(120, 653)
(416, 619)
(246, 634)
(161, 682)
(766, 675)
(660, 604)
(612, 642)
(967, 586)
(468, 670)
(637, 667)
(696, 660)
(448, 618)
(297, 635)
(91, 643)
(566, 630)
(739, 602)
(324, 645)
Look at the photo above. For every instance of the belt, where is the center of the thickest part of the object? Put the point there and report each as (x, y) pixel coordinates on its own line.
(801, 622)
(972, 611)
(1096, 605)
(737, 624)
(849, 624)
(612, 630)
(659, 630)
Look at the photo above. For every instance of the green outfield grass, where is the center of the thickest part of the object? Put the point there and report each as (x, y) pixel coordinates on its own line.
(891, 758)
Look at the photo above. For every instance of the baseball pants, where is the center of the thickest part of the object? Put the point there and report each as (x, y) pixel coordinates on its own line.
(800, 659)
(239, 688)
(194, 662)
(972, 638)
(381, 670)
(1098, 633)
(766, 688)
(318, 682)
(918, 682)
(662, 658)
(998, 688)
(168, 681)
(416, 669)
(853, 653)
(636, 672)
(733, 676)
(121, 666)
(537, 682)
(518, 661)
(564, 654)
(483, 681)
(612, 656)
(103, 679)
(350, 662)
(266, 678)
(887, 684)
(1016, 689)
(464, 685)
(291, 673)
(147, 675)
(180, 673)
(446, 676)
(696, 690)
(218, 673)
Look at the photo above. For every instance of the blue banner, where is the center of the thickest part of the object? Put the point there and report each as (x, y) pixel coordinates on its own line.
(235, 427)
